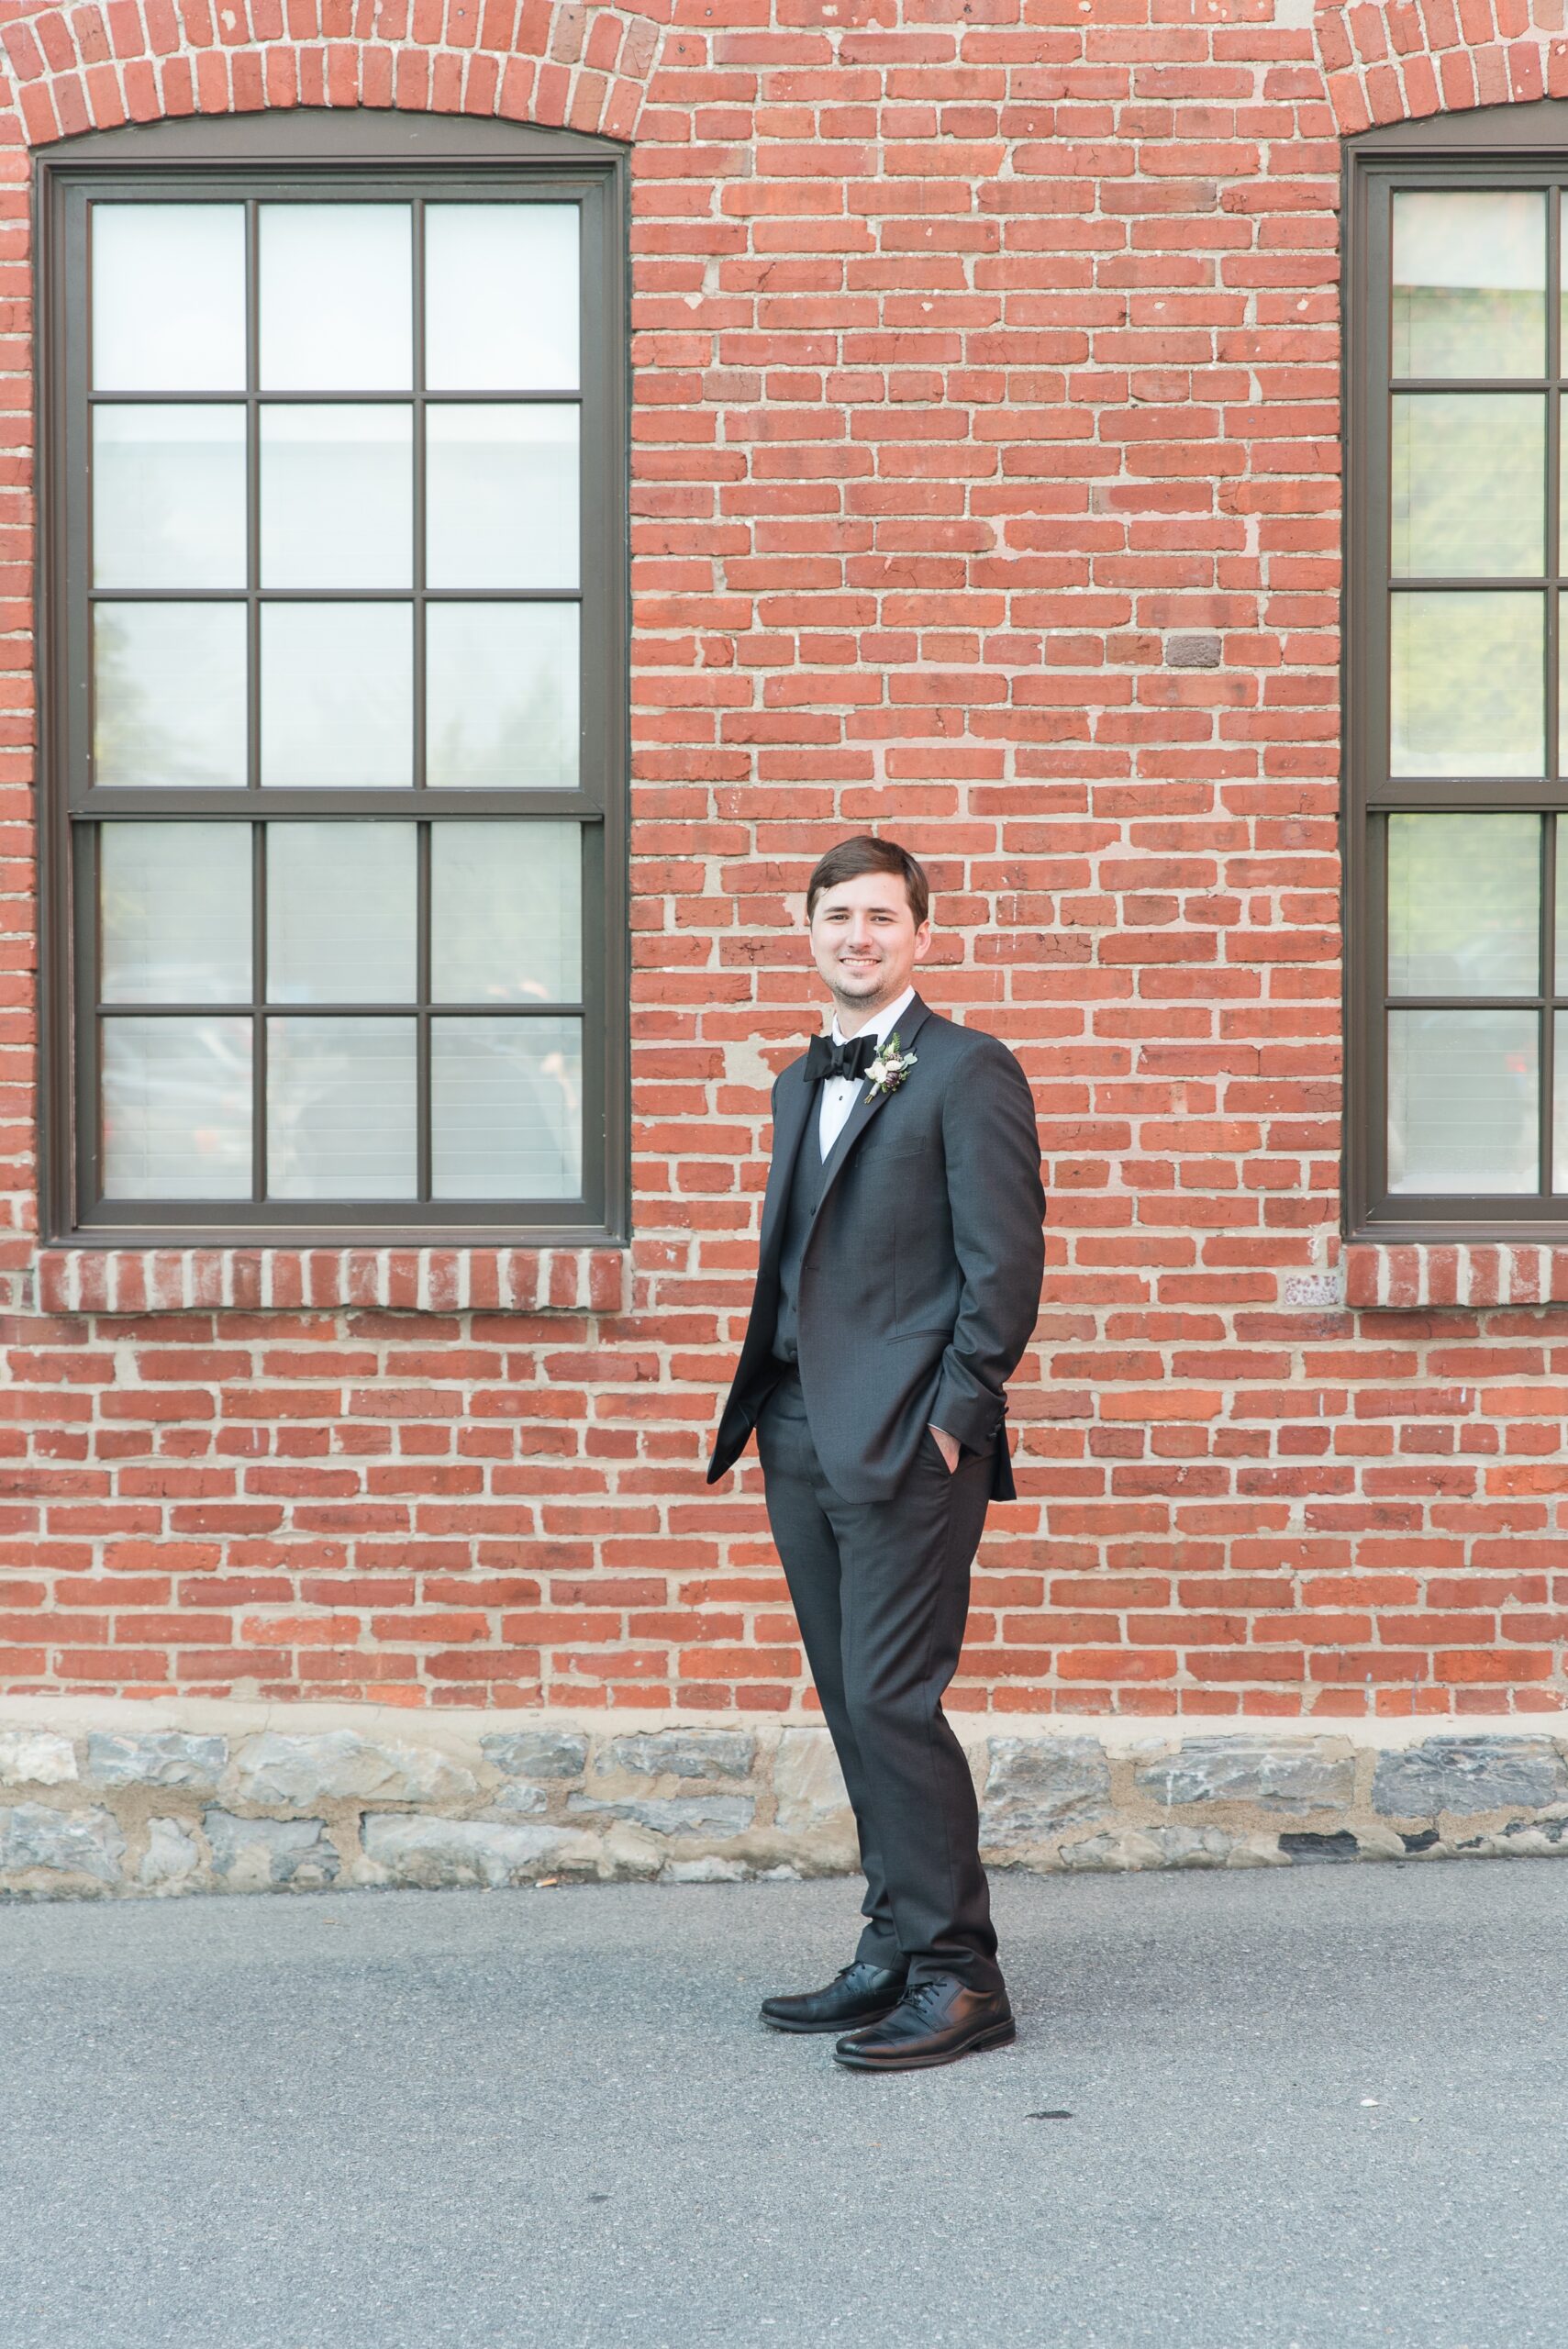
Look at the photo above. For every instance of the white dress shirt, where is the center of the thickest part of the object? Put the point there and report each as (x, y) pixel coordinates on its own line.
(840, 1093)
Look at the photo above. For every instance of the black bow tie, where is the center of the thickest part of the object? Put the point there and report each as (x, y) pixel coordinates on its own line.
(825, 1058)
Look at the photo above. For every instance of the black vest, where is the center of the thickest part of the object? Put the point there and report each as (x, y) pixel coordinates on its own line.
(804, 1191)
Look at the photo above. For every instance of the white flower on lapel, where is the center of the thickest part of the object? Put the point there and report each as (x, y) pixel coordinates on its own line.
(889, 1069)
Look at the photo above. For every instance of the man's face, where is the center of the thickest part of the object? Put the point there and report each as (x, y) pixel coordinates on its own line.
(866, 943)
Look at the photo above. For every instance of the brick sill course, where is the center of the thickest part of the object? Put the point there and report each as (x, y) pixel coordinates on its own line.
(410, 1280)
(1405, 1276)
(118, 1801)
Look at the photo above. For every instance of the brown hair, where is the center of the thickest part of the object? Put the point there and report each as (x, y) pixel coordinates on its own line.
(863, 854)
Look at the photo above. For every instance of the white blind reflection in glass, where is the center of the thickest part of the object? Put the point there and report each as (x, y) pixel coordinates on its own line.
(501, 494)
(501, 696)
(340, 1109)
(506, 1108)
(176, 1108)
(1466, 688)
(337, 495)
(501, 302)
(169, 694)
(336, 696)
(175, 912)
(1462, 1102)
(505, 913)
(168, 497)
(336, 297)
(1464, 905)
(342, 920)
(168, 297)
(1469, 281)
(1469, 484)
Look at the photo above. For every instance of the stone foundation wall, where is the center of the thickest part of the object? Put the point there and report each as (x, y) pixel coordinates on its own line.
(222, 1798)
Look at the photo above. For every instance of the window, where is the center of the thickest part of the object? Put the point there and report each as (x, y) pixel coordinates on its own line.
(335, 719)
(1457, 765)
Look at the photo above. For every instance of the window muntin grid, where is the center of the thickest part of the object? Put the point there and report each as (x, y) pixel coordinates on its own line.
(481, 1057)
(1458, 1022)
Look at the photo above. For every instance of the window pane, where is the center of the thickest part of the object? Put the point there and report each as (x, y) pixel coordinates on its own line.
(169, 694)
(176, 1108)
(1465, 687)
(506, 1108)
(501, 696)
(1470, 283)
(336, 696)
(1464, 905)
(1560, 1105)
(502, 496)
(501, 297)
(340, 1116)
(505, 913)
(175, 910)
(337, 297)
(1469, 475)
(341, 913)
(169, 298)
(1462, 1101)
(337, 496)
(169, 496)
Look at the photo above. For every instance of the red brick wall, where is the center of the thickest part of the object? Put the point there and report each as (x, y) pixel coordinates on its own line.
(985, 488)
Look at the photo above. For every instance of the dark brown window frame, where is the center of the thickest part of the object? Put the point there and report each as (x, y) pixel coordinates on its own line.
(390, 156)
(1495, 147)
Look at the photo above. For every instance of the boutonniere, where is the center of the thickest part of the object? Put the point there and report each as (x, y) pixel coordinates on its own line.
(889, 1069)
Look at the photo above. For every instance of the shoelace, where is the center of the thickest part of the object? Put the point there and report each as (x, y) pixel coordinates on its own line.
(922, 1995)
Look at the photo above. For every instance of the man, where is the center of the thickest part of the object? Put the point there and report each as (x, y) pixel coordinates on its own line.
(898, 1285)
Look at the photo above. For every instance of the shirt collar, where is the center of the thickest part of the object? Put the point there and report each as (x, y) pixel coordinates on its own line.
(883, 1026)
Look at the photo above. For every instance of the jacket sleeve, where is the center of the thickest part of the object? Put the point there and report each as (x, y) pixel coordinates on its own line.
(997, 1207)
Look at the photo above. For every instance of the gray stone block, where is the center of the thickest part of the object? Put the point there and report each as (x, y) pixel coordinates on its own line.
(684, 1753)
(808, 1785)
(1278, 1775)
(1036, 1786)
(1470, 1773)
(172, 1857)
(706, 1815)
(36, 1757)
(535, 1753)
(1152, 1847)
(78, 1842)
(340, 1765)
(434, 1851)
(163, 1757)
(249, 1855)
(519, 1799)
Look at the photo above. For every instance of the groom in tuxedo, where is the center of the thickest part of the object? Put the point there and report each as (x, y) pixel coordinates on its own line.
(897, 1285)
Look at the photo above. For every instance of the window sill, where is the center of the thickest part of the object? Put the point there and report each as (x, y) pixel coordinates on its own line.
(401, 1280)
(1391, 1276)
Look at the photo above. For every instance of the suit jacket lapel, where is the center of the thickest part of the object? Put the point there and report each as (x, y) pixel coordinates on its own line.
(866, 1108)
(797, 1099)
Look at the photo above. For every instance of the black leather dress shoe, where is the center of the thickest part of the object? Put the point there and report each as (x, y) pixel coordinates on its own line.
(936, 2022)
(857, 1994)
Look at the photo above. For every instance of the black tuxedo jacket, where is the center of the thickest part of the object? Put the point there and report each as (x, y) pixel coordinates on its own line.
(920, 1280)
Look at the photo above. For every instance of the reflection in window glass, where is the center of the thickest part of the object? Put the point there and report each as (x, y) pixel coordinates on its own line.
(1464, 905)
(176, 1108)
(342, 922)
(1469, 281)
(169, 694)
(1462, 1101)
(506, 1108)
(340, 1109)
(168, 497)
(336, 696)
(1468, 481)
(175, 912)
(1466, 688)
(337, 495)
(168, 297)
(501, 696)
(337, 297)
(501, 297)
(505, 913)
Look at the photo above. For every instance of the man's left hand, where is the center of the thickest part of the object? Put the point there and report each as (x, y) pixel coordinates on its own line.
(947, 1445)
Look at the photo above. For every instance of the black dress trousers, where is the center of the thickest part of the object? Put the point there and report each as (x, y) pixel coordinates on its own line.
(881, 1590)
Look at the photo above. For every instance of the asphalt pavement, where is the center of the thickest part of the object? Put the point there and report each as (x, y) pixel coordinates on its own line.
(1314, 2108)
